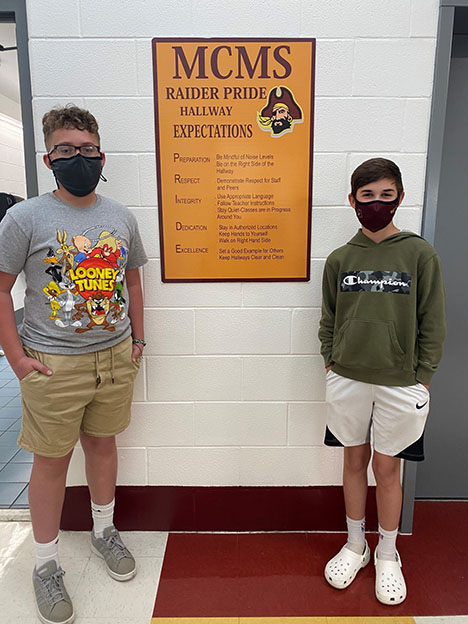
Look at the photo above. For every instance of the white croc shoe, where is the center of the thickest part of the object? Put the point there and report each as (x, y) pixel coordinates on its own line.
(341, 570)
(390, 586)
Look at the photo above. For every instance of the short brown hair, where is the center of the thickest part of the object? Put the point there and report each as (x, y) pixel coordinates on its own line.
(375, 169)
(69, 116)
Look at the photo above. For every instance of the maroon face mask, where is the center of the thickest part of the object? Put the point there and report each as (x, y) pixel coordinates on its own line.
(375, 215)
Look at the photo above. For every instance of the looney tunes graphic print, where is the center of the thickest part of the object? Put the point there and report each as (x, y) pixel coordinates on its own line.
(75, 263)
(85, 275)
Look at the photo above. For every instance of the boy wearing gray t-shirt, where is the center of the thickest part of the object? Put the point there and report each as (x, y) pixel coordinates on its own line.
(78, 349)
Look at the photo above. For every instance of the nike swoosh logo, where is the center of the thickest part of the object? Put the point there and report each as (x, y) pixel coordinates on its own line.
(421, 406)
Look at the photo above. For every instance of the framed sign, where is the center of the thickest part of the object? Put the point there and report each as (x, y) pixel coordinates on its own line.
(234, 147)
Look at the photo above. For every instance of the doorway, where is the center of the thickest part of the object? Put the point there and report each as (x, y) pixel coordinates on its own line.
(12, 169)
(444, 473)
(18, 178)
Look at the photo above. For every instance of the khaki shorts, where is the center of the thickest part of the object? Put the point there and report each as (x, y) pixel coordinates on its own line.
(89, 393)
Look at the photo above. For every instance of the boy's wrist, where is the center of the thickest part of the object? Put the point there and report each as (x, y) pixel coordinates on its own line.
(140, 343)
(15, 356)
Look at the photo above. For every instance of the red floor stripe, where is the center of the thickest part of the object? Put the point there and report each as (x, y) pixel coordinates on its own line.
(281, 574)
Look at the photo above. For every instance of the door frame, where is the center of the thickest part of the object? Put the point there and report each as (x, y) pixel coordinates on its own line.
(431, 191)
(15, 11)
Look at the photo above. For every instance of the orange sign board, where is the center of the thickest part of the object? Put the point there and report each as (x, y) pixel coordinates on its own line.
(234, 130)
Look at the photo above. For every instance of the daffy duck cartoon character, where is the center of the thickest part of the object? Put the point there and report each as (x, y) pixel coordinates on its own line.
(55, 269)
(97, 307)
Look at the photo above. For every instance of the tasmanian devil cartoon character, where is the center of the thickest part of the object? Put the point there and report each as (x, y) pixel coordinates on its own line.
(97, 307)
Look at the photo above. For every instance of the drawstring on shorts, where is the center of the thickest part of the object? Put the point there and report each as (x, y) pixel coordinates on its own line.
(112, 363)
(96, 361)
(98, 372)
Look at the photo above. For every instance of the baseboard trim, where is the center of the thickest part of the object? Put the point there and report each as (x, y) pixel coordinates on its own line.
(236, 509)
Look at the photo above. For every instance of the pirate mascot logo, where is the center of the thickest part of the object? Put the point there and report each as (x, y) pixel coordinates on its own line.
(281, 112)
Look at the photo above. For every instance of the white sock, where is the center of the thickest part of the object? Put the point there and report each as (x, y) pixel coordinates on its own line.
(103, 517)
(47, 552)
(387, 544)
(356, 535)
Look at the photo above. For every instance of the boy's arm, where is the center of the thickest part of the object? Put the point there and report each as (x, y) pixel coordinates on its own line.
(327, 321)
(431, 319)
(135, 309)
(9, 339)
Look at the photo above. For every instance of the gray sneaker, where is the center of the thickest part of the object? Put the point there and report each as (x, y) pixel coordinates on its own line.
(52, 600)
(120, 562)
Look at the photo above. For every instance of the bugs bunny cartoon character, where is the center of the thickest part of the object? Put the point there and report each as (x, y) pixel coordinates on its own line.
(67, 303)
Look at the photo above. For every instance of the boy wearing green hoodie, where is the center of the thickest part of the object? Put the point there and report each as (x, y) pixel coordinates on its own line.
(381, 331)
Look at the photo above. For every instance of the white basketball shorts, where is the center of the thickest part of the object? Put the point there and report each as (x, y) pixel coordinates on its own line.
(392, 418)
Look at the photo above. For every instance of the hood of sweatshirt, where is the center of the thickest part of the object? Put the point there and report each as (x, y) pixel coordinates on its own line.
(361, 240)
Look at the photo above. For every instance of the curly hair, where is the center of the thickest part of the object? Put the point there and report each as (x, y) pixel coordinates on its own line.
(69, 116)
(376, 169)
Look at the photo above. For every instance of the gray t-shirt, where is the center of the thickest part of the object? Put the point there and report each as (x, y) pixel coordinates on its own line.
(74, 260)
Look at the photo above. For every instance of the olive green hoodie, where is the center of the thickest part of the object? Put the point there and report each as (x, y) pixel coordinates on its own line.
(383, 310)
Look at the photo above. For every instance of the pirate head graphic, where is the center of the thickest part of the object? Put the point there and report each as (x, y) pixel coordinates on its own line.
(281, 112)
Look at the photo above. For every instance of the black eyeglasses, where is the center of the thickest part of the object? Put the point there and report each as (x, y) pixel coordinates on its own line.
(68, 151)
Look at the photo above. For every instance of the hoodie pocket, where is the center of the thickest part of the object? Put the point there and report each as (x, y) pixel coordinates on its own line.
(365, 343)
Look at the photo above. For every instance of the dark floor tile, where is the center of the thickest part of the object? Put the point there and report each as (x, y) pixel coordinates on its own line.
(5, 423)
(207, 582)
(23, 457)
(4, 400)
(10, 412)
(22, 501)
(280, 575)
(7, 453)
(14, 402)
(8, 438)
(15, 473)
(13, 382)
(8, 392)
(16, 426)
(9, 492)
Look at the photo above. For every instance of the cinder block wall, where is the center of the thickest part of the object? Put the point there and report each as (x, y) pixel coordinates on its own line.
(232, 386)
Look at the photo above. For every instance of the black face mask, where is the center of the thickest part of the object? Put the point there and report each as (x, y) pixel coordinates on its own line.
(79, 175)
(375, 215)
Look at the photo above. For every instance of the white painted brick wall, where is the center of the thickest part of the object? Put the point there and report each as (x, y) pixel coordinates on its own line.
(377, 67)
(231, 389)
(241, 424)
(243, 331)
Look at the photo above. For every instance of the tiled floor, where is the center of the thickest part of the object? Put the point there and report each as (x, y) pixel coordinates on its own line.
(267, 578)
(248, 577)
(15, 463)
(98, 599)
(281, 574)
